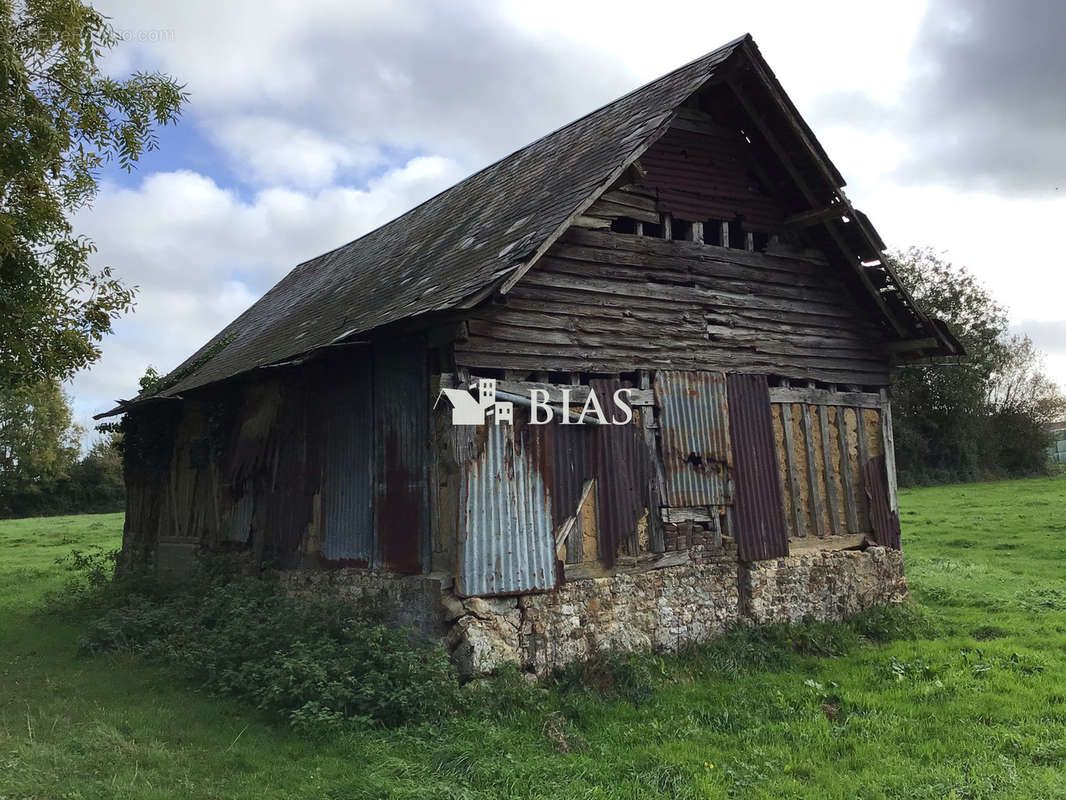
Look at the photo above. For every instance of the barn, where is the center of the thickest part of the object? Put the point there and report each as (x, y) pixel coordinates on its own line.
(686, 249)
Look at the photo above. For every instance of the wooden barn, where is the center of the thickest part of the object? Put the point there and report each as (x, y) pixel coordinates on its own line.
(690, 242)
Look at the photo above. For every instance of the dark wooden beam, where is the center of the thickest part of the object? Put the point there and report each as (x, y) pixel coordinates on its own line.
(816, 216)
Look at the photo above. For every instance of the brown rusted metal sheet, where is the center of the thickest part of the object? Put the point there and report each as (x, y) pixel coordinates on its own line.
(621, 470)
(694, 431)
(401, 424)
(348, 465)
(506, 535)
(883, 520)
(758, 512)
(290, 480)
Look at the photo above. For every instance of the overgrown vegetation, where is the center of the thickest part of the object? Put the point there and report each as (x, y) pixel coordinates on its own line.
(984, 417)
(315, 664)
(959, 695)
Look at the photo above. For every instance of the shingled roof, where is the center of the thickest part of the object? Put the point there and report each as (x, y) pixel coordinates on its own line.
(479, 235)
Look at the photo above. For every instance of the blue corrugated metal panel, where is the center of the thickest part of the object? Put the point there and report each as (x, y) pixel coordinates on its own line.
(694, 428)
(506, 542)
(348, 468)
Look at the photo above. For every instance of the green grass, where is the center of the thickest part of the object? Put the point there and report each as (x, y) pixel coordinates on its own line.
(976, 710)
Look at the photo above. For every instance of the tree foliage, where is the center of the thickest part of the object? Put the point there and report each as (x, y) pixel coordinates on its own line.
(62, 121)
(980, 417)
(41, 469)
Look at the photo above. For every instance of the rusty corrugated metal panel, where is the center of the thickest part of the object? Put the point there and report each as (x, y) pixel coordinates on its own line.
(348, 466)
(506, 540)
(621, 464)
(883, 520)
(694, 427)
(758, 513)
(567, 451)
(290, 479)
(401, 422)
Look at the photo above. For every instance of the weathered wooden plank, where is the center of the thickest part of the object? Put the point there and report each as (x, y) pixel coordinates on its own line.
(821, 397)
(889, 446)
(605, 208)
(864, 456)
(632, 199)
(799, 522)
(828, 471)
(657, 480)
(850, 501)
(812, 471)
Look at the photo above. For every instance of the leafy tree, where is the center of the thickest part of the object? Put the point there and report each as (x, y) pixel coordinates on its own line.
(38, 441)
(62, 120)
(981, 416)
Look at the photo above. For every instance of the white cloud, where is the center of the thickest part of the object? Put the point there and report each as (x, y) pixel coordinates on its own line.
(201, 255)
(274, 151)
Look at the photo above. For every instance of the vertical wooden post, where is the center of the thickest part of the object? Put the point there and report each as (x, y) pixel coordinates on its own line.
(657, 480)
(790, 465)
(749, 242)
(812, 471)
(638, 228)
(725, 233)
(850, 509)
(889, 446)
(697, 232)
(668, 226)
(827, 468)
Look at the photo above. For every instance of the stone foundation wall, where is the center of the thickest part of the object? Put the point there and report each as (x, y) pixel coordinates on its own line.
(830, 584)
(660, 609)
(655, 609)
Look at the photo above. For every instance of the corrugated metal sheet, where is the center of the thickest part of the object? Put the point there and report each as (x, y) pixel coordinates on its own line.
(401, 423)
(348, 468)
(621, 469)
(694, 427)
(758, 511)
(506, 541)
(883, 520)
(285, 489)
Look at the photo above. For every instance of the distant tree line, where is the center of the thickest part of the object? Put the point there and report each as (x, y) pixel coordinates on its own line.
(984, 416)
(42, 469)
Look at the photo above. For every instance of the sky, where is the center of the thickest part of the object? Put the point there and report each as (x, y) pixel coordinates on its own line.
(311, 123)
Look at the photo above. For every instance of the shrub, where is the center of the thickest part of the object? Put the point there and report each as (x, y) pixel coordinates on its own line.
(314, 663)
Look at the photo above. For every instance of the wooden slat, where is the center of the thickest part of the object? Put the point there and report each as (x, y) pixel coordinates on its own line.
(864, 456)
(821, 397)
(850, 509)
(793, 476)
(812, 471)
(828, 471)
(889, 446)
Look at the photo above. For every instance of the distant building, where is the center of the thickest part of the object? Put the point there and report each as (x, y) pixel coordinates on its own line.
(690, 241)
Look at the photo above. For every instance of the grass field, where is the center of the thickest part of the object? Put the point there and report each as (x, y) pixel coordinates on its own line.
(977, 710)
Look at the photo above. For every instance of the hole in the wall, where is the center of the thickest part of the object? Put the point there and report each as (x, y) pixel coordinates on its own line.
(682, 230)
(712, 232)
(625, 225)
(761, 241)
(653, 229)
(696, 460)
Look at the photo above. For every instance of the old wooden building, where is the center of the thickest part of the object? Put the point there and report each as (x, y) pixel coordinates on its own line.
(689, 241)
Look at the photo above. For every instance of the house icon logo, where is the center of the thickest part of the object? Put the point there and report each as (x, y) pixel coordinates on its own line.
(468, 411)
